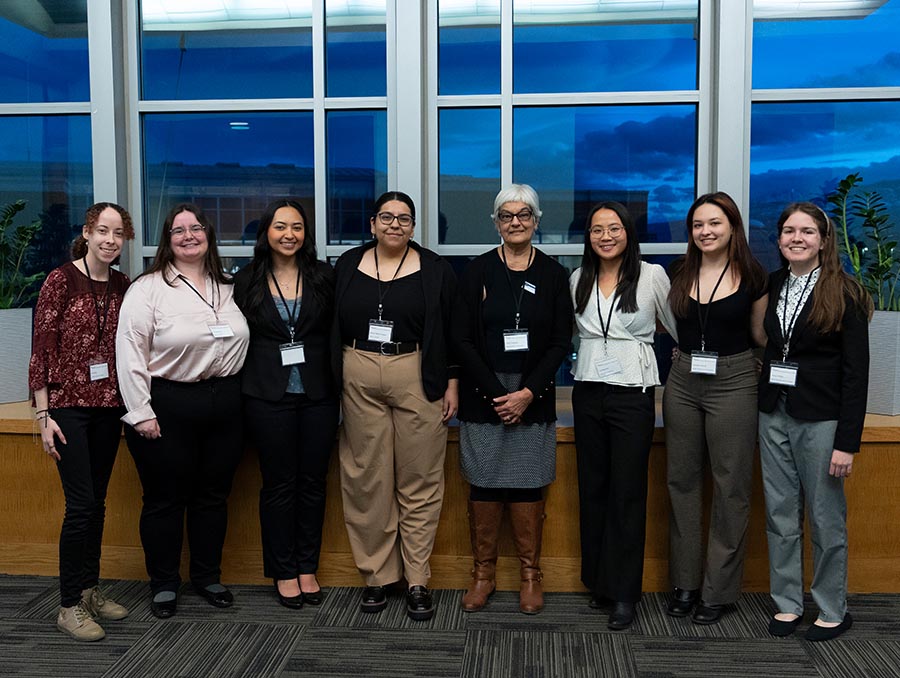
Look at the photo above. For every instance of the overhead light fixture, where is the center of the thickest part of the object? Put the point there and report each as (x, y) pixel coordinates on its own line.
(239, 126)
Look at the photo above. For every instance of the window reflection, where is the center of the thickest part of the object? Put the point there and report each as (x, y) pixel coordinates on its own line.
(355, 48)
(468, 47)
(231, 165)
(641, 156)
(43, 52)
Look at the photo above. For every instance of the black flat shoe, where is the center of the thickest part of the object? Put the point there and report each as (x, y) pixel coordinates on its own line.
(374, 599)
(165, 609)
(216, 598)
(817, 634)
(313, 597)
(419, 603)
(682, 602)
(621, 617)
(598, 602)
(707, 614)
(291, 602)
(780, 628)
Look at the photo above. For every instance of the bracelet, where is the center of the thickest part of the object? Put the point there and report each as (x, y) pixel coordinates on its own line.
(39, 411)
(42, 416)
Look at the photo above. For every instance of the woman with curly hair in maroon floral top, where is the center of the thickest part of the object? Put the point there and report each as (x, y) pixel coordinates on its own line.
(73, 377)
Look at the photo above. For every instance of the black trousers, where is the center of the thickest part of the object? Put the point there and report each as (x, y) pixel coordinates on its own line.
(613, 433)
(294, 437)
(189, 468)
(85, 466)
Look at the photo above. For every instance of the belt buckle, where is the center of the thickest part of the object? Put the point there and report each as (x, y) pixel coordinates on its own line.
(388, 343)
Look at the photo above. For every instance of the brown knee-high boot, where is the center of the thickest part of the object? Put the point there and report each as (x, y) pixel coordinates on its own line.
(484, 528)
(527, 521)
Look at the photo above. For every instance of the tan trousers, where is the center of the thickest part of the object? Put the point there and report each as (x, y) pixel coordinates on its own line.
(392, 451)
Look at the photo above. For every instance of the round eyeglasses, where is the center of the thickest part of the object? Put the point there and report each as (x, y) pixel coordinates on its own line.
(179, 231)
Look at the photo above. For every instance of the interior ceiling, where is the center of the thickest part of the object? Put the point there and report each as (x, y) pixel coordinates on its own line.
(50, 18)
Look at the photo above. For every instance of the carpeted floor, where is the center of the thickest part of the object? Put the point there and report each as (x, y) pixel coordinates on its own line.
(257, 637)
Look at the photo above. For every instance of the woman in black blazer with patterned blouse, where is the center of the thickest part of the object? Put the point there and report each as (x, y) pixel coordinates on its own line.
(290, 402)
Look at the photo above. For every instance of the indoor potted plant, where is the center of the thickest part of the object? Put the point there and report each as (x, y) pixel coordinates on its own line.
(17, 290)
(866, 237)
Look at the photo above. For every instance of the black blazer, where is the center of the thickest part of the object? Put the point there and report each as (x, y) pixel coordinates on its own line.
(833, 376)
(263, 375)
(439, 287)
(549, 338)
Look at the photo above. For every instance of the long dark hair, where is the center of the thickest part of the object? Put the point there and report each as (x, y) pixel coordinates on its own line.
(165, 256)
(259, 268)
(743, 264)
(834, 286)
(629, 271)
(91, 217)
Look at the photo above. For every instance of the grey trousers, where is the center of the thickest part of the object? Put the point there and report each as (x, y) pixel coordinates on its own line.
(796, 456)
(715, 415)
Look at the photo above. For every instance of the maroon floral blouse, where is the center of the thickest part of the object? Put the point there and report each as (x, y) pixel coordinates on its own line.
(65, 338)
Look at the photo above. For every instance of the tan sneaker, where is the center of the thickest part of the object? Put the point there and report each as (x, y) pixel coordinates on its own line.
(101, 607)
(77, 622)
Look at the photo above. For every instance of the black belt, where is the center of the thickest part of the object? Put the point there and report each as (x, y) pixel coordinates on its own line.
(385, 347)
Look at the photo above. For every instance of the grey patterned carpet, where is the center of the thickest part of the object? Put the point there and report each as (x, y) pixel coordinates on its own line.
(257, 637)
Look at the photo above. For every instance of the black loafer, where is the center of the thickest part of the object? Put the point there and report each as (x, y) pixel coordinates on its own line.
(216, 598)
(374, 599)
(682, 602)
(598, 602)
(621, 617)
(313, 597)
(419, 604)
(165, 609)
(707, 614)
(817, 634)
(290, 602)
(780, 628)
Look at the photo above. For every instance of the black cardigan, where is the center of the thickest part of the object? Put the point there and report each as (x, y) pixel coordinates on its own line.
(549, 339)
(833, 376)
(263, 375)
(439, 287)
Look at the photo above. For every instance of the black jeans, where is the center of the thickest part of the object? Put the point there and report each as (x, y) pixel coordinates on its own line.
(294, 437)
(85, 466)
(189, 468)
(613, 433)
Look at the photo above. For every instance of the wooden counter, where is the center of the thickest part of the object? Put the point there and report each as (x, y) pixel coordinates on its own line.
(31, 510)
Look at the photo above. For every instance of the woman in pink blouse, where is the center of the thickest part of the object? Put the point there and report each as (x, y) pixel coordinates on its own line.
(73, 377)
(182, 341)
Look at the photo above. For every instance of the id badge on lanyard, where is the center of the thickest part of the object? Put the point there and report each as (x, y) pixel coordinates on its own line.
(704, 362)
(783, 373)
(515, 340)
(292, 353)
(221, 330)
(381, 330)
(98, 368)
(606, 367)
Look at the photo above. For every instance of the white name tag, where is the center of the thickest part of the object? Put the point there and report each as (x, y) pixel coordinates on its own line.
(607, 366)
(221, 330)
(515, 340)
(381, 330)
(783, 373)
(292, 353)
(704, 362)
(529, 287)
(99, 370)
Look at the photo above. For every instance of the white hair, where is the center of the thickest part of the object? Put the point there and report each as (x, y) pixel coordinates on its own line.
(518, 193)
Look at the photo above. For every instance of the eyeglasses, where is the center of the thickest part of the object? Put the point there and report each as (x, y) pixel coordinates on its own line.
(179, 231)
(506, 217)
(405, 220)
(614, 232)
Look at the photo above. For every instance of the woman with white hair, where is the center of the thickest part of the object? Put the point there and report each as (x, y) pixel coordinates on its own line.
(512, 329)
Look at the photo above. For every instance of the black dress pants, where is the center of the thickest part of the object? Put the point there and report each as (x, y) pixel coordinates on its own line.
(85, 466)
(613, 433)
(189, 468)
(294, 437)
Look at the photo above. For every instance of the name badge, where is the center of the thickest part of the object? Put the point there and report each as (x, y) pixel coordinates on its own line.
(292, 353)
(704, 362)
(515, 340)
(381, 330)
(783, 373)
(529, 287)
(221, 330)
(607, 366)
(99, 369)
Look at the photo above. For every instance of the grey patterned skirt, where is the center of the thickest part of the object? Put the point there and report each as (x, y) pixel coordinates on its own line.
(498, 456)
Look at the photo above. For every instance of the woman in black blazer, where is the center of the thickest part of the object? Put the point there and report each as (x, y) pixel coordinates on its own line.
(290, 402)
(812, 401)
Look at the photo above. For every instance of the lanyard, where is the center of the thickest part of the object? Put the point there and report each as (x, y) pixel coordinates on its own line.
(101, 326)
(788, 329)
(202, 298)
(292, 319)
(517, 299)
(612, 305)
(383, 294)
(704, 318)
